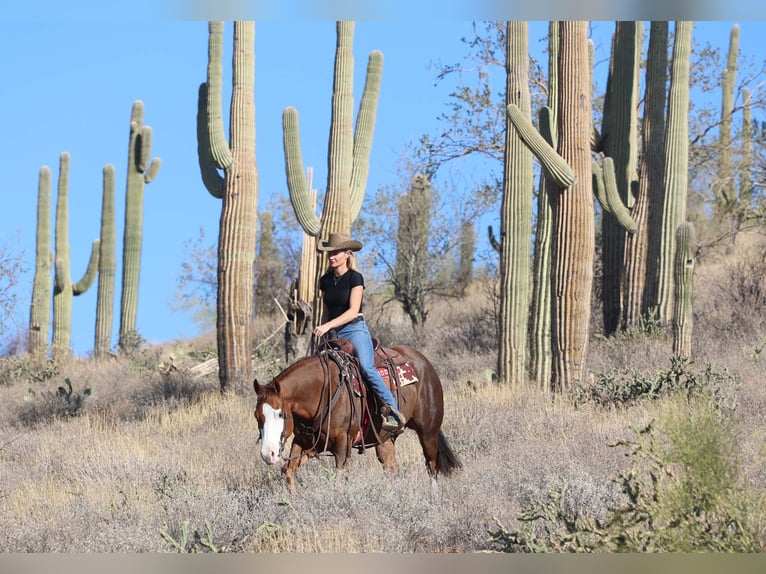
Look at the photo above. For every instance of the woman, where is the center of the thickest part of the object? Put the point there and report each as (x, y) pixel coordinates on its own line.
(343, 287)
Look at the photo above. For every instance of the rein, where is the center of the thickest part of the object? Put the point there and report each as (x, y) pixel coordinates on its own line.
(323, 415)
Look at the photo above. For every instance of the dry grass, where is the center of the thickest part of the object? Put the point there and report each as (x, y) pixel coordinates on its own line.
(147, 457)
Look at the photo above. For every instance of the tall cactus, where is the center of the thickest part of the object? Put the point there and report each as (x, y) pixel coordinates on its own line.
(621, 145)
(63, 286)
(412, 249)
(140, 172)
(515, 217)
(540, 315)
(106, 268)
(573, 216)
(40, 311)
(683, 274)
(651, 168)
(348, 152)
(676, 166)
(726, 189)
(238, 188)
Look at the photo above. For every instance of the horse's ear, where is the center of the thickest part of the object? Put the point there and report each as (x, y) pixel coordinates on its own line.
(277, 387)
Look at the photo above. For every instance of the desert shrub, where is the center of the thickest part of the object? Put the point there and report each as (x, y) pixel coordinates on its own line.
(682, 493)
(43, 406)
(28, 368)
(627, 386)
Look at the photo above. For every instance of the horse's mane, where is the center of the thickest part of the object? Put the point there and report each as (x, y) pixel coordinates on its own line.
(289, 370)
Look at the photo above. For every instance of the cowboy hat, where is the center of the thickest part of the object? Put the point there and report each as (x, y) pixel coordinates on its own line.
(339, 242)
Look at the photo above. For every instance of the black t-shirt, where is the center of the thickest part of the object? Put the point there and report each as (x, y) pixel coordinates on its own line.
(337, 295)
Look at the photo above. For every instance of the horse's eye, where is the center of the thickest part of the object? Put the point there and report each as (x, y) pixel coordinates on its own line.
(283, 415)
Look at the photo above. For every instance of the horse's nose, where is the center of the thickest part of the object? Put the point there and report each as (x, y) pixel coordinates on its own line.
(270, 455)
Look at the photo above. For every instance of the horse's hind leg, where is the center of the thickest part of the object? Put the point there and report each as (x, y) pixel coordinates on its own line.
(429, 442)
(386, 453)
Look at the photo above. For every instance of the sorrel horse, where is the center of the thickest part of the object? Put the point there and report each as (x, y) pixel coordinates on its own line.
(319, 401)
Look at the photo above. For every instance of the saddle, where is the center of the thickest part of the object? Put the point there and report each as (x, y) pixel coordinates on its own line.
(394, 368)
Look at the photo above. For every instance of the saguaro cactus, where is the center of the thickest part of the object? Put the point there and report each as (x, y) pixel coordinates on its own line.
(621, 145)
(63, 286)
(683, 274)
(348, 153)
(540, 315)
(40, 311)
(515, 217)
(239, 190)
(726, 189)
(412, 249)
(140, 172)
(676, 165)
(573, 216)
(106, 268)
(648, 204)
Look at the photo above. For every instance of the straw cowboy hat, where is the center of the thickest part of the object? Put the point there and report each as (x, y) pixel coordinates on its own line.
(339, 242)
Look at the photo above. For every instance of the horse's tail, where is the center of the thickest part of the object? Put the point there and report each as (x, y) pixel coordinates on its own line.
(446, 459)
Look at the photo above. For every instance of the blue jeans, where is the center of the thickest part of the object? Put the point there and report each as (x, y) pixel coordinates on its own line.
(359, 335)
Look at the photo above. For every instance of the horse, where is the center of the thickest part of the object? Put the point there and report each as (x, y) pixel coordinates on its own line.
(319, 401)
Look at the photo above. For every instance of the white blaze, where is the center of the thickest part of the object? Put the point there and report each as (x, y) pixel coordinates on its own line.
(273, 426)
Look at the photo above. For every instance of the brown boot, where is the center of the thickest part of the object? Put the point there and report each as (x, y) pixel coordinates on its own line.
(393, 420)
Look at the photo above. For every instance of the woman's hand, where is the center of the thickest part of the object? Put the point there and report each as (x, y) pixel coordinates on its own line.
(320, 330)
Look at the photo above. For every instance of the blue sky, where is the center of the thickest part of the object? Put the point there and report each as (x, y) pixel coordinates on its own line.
(71, 78)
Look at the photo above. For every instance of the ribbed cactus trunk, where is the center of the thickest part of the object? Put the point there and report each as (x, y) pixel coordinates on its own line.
(726, 188)
(107, 266)
(238, 224)
(238, 189)
(676, 166)
(540, 316)
(573, 215)
(140, 172)
(683, 273)
(515, 217)
(64, 289)
(650, 180)
(40, 310)
(621, 146)
(348, 152)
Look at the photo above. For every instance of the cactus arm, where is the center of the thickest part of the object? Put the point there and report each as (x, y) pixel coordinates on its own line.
(212, 180)
(616, 206)
(219, 149)
(492, 239)
(86, 281)
(598, 186)
(365, 126)
(556, 169)
(153, 170)
(297, 184)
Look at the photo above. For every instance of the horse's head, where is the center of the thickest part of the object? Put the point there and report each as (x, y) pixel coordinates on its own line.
(275, 420)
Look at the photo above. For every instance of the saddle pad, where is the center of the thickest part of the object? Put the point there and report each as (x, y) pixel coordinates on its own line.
(405, 371)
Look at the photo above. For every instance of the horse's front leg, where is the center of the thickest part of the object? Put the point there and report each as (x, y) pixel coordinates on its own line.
(342, 450)
(386, 453)
(296, 459)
